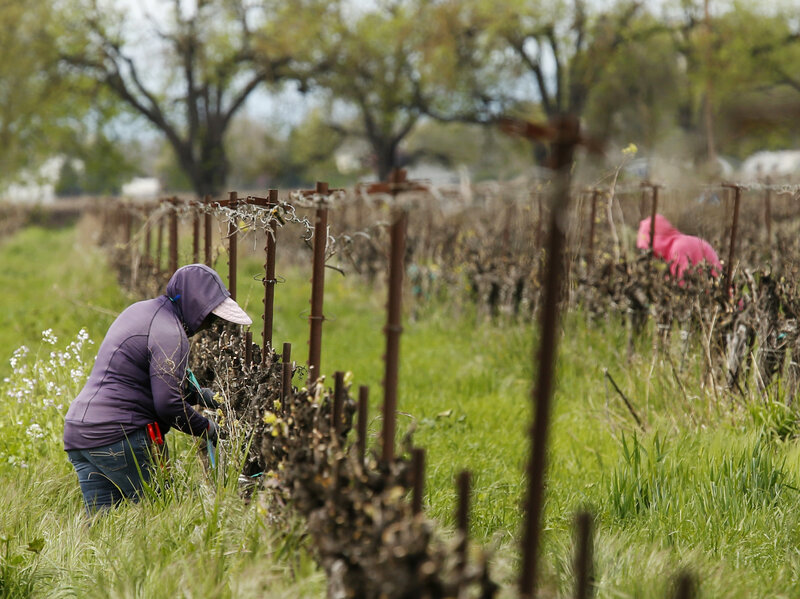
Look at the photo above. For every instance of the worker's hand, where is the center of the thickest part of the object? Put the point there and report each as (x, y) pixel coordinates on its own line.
(206, 399)
(212, 432)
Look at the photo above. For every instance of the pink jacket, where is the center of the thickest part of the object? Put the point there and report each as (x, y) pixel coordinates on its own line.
(678, 249)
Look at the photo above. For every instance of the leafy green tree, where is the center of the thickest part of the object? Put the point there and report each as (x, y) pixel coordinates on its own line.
(757, 100)
(642, 86)
(98, 160)
(46, 112)
(305, 154)
(741, 92)
(485, 151)
(558, 50)
(388, 66)
(250, 145)
(99, 168)
(33, 93)
(534, 60)
(373, 84)
(69, 179)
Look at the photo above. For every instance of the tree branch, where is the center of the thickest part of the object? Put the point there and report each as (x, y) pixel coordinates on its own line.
(518, 45)
(786, 40)
(550, 33)
(787, 79)
(239, 99)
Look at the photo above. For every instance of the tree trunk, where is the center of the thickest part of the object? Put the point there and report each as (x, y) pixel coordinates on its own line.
(385, 158)
(207, 172)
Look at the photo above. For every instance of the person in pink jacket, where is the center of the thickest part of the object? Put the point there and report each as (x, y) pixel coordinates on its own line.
(681, 251)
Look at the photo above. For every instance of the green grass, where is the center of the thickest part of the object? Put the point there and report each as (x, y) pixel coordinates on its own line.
(53, 280)
(710, 484)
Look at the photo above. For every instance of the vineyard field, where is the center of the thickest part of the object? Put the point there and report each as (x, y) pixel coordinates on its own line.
(706, 483)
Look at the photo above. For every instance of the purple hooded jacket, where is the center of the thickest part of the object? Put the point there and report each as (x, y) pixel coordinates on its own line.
(140, 367)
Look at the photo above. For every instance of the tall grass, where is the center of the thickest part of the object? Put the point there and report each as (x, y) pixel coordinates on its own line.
(53, 279)
(709, 482)
(191, 535)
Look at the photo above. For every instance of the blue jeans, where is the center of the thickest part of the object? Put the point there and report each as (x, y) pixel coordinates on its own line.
(109, 474)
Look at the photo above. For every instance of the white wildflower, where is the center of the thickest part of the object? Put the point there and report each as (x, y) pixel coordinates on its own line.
(20, 352)
(49, 337)
(35, 431)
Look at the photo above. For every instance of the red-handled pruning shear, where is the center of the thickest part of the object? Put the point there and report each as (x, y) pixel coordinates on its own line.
(154, 432)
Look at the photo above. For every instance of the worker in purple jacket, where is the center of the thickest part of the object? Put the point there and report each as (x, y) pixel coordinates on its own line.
(135, 392)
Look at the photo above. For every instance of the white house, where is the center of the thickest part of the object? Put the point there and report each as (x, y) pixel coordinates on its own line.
(144, 188)
(784, 164)
(35, 188)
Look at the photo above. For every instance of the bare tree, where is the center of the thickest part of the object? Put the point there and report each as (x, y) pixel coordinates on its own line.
(213, 58)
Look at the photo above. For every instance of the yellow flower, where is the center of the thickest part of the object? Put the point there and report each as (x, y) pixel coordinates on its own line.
(269, 418)
(630, 150)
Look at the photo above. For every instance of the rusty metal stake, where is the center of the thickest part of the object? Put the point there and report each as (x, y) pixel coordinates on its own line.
(207, 232)
(653, 211)
(173, 241)
(584, 569)
(593, 215)
(363, 409)
(148, 240)
(232, 247)
(396, 184)
(462, 512)
(737, 189)
(159, 243)
(248, 349)
(338, 403)
(393, 330)
(684, 586)
(286, 373)
(269, 278)
(563, 147)
(643, 203)
(418, 474)
(195, 235)
(317, 288)
(128, 227)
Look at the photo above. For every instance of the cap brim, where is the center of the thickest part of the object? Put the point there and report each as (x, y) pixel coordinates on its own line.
(229, 310)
